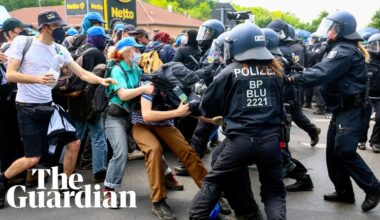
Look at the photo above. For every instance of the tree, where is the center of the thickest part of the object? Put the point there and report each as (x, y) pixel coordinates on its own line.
(375, 21)
(315, 23)
(11, 5)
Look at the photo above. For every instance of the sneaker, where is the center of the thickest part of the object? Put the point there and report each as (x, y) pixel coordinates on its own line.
(163, 211)
(304, 184)
(225, 208)
(3, 190)
(107, 197)
(371, 201)
(136, 154)
(361, 146)
(100, 176)
(172, 183)
(376, 148)
(314, 139)
(344, 197)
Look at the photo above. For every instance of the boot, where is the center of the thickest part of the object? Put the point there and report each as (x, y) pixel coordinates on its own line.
(314, 138)
(376, 148)
(342, 197)
(304, 184)
(371, 201)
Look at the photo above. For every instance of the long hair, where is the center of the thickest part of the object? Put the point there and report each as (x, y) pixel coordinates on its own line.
(269, 65)
(363, 51)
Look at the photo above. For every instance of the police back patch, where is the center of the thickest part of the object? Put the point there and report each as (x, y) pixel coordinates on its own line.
(332, 54)
(256, 93)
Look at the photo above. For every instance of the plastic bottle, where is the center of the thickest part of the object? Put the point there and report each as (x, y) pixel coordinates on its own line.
(55, 69)
(215, 212)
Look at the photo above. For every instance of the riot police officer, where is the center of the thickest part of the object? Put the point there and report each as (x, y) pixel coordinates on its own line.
(250, 102)
(344, 75)
(291, 95)
(292, 168)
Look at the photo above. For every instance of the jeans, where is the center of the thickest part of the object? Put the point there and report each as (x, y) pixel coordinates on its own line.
(375, 136)
(115, 128)
(98, 143)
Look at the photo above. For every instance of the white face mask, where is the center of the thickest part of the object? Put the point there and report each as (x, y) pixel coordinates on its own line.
(136, 58)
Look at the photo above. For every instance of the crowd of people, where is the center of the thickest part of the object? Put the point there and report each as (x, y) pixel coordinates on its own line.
(126, 94)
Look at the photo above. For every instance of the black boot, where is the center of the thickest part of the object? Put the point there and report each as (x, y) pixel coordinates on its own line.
(3, 190)
(304, 184)
(371, 201)
(341, 197)
(314, 138)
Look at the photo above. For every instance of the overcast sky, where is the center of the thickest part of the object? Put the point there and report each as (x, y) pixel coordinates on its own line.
(307, 10)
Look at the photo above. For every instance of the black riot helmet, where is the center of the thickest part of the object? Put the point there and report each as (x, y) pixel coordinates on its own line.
(292, 33)
(374, 45)
(246, 42)
(209, 31)
(281, 28)
(272, 41)
(339, 25)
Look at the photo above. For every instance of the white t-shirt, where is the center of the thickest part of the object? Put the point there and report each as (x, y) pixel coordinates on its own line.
(37, 61)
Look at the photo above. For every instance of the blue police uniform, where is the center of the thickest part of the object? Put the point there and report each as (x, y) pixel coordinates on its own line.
(251, 104)
(344, 74)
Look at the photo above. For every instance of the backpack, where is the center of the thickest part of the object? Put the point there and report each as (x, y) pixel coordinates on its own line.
(150, 61)
(101, 95)
(70, 84)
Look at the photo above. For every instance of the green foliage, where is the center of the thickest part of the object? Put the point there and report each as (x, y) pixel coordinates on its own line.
(11, 5)
(375, 22)
(315, 23)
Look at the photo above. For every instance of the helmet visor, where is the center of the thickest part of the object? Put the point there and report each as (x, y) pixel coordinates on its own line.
(374, 46)
(205, 33)
(328, 28)
(215, 52)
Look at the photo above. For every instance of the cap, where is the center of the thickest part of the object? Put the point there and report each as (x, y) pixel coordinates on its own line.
(94, 16)
(96, 31)
(138, 32)
(129, 27)
(50, 17)
(72, 32)
(127, 42)
(12, 23)
(119, 26)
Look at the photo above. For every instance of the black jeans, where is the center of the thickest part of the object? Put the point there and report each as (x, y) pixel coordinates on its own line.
(375, 136)
(201, 136)
(230, 175)
(342, 159)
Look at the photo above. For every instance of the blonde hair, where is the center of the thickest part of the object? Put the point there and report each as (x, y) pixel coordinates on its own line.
(273, 65)
(363, 51)
(117, 55)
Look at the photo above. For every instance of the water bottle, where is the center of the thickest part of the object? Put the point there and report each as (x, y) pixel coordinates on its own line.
(215, 212)
(55, 69)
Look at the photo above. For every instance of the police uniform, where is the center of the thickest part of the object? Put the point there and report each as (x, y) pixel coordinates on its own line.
(251, 104)
(344, 74)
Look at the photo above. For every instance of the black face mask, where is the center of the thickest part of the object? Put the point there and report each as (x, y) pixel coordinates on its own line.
(205, 44)
(58, 35)
(24, 33)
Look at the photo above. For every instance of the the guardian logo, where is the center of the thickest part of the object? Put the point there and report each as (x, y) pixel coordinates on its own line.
(88, 196)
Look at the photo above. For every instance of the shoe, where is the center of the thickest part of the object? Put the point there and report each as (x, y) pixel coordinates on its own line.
(100, 176)
(371, 201)
(376, 148)
(315, 137)
(361, 146)
(214, 143)
(172, 183)
(304, 184)
(287, 168)
(3, 190)
(320, 111)
(107, 197)
(135, 155)
(306, 106)
(225, 208)
(344, 198)
(253, 216)
(32, 179)
(163, 211)
(181, 170)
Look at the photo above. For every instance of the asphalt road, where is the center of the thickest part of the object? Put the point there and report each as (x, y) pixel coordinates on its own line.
(302, 205)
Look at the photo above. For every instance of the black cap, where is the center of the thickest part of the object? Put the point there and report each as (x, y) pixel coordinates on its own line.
(129, 27)
(12, 23)
(50, 17)
(138, 32)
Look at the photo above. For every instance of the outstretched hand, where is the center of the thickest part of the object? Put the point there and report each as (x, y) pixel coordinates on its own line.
(108, 81)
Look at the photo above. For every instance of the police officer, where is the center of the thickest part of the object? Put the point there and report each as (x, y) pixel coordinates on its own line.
(344, 75)
(292, 168)
(251, 104)
(374, 93)
(291, 95)
(207, 32)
